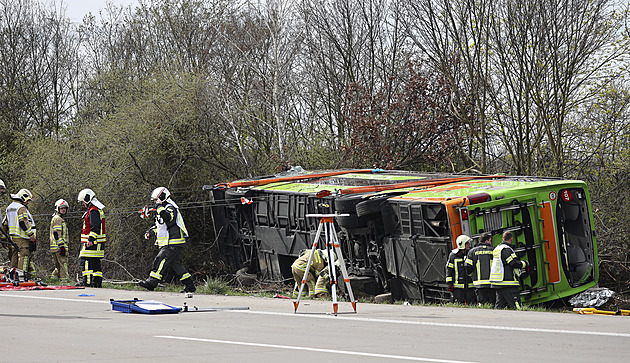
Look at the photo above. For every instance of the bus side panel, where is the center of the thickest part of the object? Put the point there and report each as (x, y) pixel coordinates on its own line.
(551, 248)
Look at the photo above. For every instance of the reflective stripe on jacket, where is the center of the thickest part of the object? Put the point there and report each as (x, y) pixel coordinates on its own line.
(169, 226)
(58, 225)
(94, 231)
(319, 265)
(479, 262)
(456, 273)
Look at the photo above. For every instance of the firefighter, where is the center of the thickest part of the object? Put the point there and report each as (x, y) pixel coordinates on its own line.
(21, 227)
(59, 240)
(319, 268)
(170, 232)
(503, 274)
(93, 239)
(478, 263)
(460, 284)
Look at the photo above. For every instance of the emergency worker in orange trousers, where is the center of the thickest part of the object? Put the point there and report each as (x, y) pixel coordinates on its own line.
(59, 240)
(21, 227)
(93, 239)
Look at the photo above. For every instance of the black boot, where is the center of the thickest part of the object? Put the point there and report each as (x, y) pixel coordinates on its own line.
(147, 285)
(98, 281)
(190, 285)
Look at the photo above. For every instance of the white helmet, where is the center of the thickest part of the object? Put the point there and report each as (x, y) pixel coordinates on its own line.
(86, 195)
(61, 204)
(3, 187)
(24, 195)
(462, 240)
(160, 195)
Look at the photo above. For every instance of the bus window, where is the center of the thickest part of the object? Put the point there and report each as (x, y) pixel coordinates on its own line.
(575, 237)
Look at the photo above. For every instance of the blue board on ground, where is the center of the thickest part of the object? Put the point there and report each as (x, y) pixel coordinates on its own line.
(143, 307)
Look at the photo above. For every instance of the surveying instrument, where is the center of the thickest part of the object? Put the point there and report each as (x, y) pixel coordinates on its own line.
(327, 226)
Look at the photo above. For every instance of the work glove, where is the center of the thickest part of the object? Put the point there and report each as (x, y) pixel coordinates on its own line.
(62, 251)
(32, 246)
(451, 288)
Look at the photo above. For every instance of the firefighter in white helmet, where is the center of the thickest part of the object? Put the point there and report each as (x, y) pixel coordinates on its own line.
(457, 278)
(21, 227)
(59, 240)
(170, 232)
(93, 239)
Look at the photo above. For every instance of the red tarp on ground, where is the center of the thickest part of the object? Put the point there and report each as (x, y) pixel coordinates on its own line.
(22, 288)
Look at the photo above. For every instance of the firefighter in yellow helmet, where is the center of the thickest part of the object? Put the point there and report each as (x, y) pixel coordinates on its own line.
(93, 239)
(21, 227)
(460, 284)
(170, 232)
(318, 270)
(59, 240)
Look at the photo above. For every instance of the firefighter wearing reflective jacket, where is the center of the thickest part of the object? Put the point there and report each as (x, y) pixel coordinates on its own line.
(503, 274)
(460, 284)
(59, 240)
(318, 270)
(93, 239)
(170, 232)
(478, 262)
(21, 227)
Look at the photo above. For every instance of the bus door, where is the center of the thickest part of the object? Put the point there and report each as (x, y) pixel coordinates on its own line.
(518, 215)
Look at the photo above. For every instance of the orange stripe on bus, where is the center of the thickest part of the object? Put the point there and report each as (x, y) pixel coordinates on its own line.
(551, 248)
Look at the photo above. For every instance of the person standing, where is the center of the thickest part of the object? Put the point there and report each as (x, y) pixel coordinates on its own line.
(59, 240)
(503, 276)
(478, 262)
(460, 284)
(21, 228)
(93, 239)
(170, 232)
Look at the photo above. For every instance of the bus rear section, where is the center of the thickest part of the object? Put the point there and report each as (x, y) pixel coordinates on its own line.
(553, 230)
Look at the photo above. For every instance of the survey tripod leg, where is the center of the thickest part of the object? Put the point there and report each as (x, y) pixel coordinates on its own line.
(327, 227)
(308, 266)
(342, 266)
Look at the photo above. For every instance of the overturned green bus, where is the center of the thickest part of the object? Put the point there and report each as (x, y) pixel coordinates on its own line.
(399, 227)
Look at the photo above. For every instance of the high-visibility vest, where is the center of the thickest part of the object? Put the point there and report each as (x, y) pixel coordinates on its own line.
(97, 249)
(502, 272)
(17, 212)
(175, 234)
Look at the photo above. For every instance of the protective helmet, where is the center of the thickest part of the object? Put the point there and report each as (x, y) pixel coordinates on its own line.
(160, 195)
(86, 195)
(24, 195)
(61, 204)
(462, 240)
(2, 186)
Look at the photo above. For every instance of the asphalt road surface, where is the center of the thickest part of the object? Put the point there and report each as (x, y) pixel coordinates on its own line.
(62, 326)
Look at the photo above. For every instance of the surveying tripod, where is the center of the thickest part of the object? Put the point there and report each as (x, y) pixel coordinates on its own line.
(327, 225)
